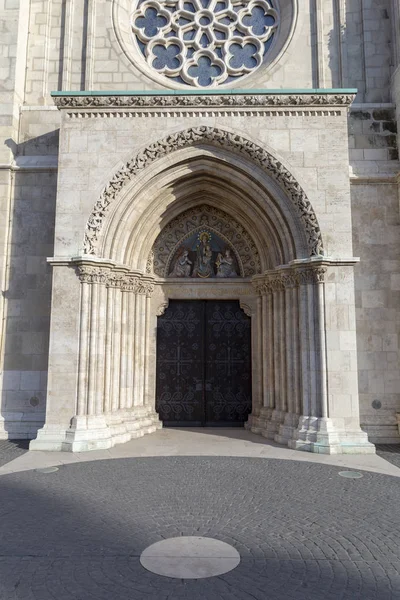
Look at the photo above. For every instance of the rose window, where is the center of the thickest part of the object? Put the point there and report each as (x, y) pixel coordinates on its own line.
(204, 43)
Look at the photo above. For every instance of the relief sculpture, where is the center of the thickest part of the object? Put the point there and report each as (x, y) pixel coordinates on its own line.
(204, 255)
(183, 265)
(225, 265)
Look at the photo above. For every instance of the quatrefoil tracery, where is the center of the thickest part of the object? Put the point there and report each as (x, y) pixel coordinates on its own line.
(204, 43)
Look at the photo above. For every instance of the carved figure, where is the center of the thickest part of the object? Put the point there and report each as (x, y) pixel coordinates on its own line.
(182, 266)
(203, 267)
(225, 265)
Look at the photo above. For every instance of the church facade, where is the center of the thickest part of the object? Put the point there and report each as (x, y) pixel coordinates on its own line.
(200, 220)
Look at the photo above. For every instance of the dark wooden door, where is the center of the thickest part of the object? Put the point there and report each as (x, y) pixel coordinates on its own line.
(203, 364)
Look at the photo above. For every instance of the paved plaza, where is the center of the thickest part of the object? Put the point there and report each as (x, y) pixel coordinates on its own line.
(302, 531)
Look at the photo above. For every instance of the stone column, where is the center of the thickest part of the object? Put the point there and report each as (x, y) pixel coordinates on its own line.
(258, 421)
(88, 426)
(279, 358)
(329, 422)
(290, 338)
(268, 345)
(108, 349)
(84, 329)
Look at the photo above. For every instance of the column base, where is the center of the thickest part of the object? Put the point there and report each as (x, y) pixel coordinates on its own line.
(330, 436)
(287, 429)
(273, 425)
(258, 423)
(97, 432)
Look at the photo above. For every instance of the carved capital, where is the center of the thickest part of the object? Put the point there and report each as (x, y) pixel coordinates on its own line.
(129, 283)
(144, 287)
(277, 283)
(89, 274)
(311, 275)
(290, 279)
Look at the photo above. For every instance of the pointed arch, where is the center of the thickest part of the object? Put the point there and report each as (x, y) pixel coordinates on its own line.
(216, 137)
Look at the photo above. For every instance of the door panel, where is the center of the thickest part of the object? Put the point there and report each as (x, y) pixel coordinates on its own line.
(228, 364)
(203, 364)
(180, 364)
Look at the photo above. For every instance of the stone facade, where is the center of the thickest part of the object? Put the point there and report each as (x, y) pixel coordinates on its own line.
(303, 158)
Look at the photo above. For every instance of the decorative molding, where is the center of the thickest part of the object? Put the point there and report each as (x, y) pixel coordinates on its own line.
(217, 137)
(126, 282)
(162, 308)
(205, 291)
(288, 278)
(174, 234)
(311, 275)
(144, 287)
(246, 308)
(89, 274)
(227, 101)
(209, 112)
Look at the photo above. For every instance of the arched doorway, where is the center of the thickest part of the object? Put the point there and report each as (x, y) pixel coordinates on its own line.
(217, 182)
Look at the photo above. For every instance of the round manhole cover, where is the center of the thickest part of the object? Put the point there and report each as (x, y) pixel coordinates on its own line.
(190, 557)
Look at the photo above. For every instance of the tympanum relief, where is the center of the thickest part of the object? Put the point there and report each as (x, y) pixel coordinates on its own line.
(204, 243)
(204, 255)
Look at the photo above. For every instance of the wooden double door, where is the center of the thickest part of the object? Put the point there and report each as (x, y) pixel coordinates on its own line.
(203, 364)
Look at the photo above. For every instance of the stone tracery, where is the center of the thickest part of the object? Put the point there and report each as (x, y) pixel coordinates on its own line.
(204, 43)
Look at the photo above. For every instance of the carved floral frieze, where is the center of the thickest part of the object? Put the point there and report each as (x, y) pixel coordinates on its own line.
(223, 100)
(217, 137)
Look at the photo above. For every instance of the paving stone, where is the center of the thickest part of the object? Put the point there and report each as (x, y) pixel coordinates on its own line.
(303, 532)
(11, 449)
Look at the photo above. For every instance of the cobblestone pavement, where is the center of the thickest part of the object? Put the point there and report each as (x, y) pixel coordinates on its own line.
(390, 452)
(11, 449)
(303, 532)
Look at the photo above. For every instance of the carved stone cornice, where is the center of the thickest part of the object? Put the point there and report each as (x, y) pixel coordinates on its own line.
(217, 137)
(228, 101)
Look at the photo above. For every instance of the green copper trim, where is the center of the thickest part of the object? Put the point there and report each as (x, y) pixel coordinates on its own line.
(203, 92)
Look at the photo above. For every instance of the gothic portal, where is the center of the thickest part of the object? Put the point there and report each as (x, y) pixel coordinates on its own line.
(201, 221)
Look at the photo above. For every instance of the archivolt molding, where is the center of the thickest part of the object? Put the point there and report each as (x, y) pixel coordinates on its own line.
(217, 137)
(127, 282)
(174, 234)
